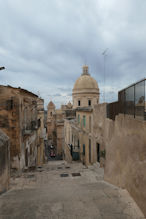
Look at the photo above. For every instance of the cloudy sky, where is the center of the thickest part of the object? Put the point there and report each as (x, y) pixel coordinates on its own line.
(44, 43)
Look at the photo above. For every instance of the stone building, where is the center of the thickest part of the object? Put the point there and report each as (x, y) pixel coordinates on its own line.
(51, 123)
(18, 119)
(59, 130)
(4, 162)
(55, 126)
(41, 132)
(78, 135)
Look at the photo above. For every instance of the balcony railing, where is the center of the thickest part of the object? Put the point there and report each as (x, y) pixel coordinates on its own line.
(30, 128)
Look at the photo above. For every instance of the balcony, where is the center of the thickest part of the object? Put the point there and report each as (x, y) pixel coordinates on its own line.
(30, 128)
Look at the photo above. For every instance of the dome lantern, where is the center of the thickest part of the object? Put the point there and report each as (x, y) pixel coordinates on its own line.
(85, 70)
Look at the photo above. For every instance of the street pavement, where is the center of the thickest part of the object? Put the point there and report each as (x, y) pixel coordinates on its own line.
(52, 192)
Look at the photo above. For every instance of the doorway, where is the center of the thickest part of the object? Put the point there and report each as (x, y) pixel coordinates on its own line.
(26, 157)
(98, 152)
(89, 150)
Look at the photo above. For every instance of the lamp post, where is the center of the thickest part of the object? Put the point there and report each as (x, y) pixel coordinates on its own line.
(2, 68)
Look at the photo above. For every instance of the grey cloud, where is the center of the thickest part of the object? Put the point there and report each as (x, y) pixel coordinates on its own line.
(64, 89)
(55, 95)
(44, 46)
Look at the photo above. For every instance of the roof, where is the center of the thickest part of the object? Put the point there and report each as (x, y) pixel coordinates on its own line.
(51, 104)
(21, 90)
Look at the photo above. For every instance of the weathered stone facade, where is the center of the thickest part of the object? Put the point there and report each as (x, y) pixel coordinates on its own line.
(18, 119)
(4, 162)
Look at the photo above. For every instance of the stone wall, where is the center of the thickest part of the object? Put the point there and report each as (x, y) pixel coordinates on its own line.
(126, 156)
(124, 142)
(4, 162)
(67, 155)
(60, 138)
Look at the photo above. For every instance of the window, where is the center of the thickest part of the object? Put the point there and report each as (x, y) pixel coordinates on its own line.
(89, 150)
(79, 102)
(78, 119)
(50, 113)
(9, 104)
(98, 152)
(39, 123)
(89, 102)
(84, 121)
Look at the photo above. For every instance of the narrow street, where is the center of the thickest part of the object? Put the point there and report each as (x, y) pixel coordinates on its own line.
(66, 191)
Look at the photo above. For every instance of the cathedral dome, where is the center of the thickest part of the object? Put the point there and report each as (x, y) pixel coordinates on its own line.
(85, 83)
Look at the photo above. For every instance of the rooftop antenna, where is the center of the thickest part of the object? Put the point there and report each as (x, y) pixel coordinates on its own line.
(85, 61)
(104, 69)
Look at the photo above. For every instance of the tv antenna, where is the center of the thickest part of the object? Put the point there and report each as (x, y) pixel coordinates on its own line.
(104, 69)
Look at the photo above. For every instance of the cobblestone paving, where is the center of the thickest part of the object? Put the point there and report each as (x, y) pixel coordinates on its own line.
(45, 194)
